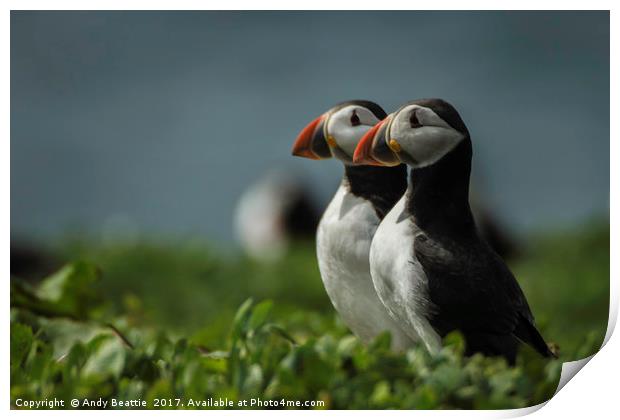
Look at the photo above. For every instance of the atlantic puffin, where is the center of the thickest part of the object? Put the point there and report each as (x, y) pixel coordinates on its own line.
(274, 212)
(428, 263)
(364, 197)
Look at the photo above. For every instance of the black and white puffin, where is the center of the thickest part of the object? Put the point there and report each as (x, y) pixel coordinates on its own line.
(274, 212)
(428, 263)
(345, 231)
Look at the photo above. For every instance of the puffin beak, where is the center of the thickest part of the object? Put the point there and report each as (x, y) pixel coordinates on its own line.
(364, 151)
(311, 142)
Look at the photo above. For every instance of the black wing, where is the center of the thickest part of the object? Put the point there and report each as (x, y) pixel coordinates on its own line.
(473, 291)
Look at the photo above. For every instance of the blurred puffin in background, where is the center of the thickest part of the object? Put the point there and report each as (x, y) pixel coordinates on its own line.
(491, 227)
(274, 212)
(428, 263)
(32, 262)
(364, 197)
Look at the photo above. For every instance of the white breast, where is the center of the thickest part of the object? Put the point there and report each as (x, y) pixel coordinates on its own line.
(399, 278)
(343, 243)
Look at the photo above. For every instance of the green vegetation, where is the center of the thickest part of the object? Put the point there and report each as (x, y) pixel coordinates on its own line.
(152, 322)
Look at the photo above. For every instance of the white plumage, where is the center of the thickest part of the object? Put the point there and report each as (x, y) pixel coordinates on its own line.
(398, 277)
(343, 244)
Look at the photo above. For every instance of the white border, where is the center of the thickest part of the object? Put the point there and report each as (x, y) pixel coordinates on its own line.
(306, 5)
(593, 394)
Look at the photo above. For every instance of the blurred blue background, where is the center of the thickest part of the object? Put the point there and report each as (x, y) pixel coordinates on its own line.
(157, 121)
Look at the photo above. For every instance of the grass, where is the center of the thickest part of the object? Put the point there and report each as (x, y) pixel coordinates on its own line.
(159, 321)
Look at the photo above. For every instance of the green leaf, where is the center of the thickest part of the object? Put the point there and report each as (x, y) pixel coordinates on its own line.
(280, 332)
(21, 341)
(381, 342)
(68, 292)
(381, 394)
(425, 398)
(74, 360)
(260, 313)
(241, 319)
(107, 360)
(160, 389)
(455, 341)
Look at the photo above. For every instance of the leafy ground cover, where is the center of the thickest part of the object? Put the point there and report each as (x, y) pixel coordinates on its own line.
(183, 326)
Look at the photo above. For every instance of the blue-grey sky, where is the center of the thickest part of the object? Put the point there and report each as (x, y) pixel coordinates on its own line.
(161, 119)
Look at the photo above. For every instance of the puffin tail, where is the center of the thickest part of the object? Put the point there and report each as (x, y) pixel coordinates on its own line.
(527, 332)
(494, 345)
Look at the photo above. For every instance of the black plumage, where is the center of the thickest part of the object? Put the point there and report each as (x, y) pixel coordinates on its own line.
(382, 186)
(470, 287)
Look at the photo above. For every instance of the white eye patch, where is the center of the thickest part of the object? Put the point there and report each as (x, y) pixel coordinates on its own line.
(347, 125)
(425, 116)
(426, 143)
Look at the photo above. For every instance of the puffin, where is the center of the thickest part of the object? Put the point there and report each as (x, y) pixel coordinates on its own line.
(344, 234)
(429, 265)
(273, 213)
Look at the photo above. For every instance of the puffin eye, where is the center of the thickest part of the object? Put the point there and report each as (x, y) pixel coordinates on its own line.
(413, 120)
(355, 120)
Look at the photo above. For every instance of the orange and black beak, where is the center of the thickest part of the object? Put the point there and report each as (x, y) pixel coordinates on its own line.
(373, 147)
(311, 142)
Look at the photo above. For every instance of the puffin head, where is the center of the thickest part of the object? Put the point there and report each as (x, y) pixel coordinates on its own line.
(419, 134)
(337, 132)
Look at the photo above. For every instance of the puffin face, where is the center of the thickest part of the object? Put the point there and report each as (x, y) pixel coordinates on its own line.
(418, 134)
(337, 132)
